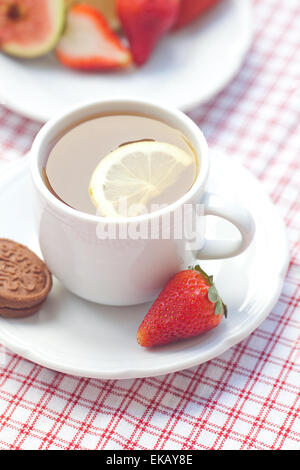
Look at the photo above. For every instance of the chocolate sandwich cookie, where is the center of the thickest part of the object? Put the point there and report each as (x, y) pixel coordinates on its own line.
(25, 280)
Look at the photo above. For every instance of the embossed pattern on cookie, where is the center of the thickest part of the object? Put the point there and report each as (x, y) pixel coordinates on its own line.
(25, 280)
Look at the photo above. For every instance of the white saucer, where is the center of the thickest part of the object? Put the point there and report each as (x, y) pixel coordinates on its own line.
(188, 68)
(76, 337)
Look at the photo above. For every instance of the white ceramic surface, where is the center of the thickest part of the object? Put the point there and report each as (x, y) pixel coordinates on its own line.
(188, 68)
(83, 251)
(80, 338)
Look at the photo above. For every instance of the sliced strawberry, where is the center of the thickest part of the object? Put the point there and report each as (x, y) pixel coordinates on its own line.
(88, 42)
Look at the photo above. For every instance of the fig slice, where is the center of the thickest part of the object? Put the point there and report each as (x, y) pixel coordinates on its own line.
(30, 28)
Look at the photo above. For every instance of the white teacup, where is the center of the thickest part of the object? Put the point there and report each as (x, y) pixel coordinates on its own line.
(126, 271)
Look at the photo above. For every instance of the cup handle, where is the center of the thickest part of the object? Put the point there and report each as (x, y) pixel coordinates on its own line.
(238, 216)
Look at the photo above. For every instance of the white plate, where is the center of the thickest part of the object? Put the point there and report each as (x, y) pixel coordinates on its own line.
(188, 68)
(80, 338)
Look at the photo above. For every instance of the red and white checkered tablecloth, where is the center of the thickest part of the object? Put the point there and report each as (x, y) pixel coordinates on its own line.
(247, 398)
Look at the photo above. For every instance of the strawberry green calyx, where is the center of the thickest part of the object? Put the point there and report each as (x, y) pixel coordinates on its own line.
(213, 294)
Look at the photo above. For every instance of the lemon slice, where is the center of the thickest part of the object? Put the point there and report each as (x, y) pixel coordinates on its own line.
(128, 178)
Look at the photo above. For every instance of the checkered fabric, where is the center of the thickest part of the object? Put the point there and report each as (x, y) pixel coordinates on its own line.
(247, 398)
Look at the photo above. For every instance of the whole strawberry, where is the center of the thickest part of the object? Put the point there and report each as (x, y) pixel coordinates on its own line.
(145, 22)
(192, 9)
(187, 306)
